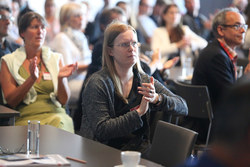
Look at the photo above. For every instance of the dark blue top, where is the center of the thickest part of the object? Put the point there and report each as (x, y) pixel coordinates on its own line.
(196, 24)
(9, 48)
(214, 69)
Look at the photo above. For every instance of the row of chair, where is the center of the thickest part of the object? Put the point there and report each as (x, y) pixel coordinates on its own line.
(198, 101)
(173, 144)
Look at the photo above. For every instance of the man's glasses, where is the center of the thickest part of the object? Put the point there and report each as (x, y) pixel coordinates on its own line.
(3, 17)
(127, 44)
(237, 27)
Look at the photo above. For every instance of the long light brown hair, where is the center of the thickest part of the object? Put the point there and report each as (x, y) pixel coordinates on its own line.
(111, 33)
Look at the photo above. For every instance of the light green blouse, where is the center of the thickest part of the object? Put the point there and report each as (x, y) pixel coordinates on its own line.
(43, 108)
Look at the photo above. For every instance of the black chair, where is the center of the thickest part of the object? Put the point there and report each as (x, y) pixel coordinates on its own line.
(172, 144)
(199, 105)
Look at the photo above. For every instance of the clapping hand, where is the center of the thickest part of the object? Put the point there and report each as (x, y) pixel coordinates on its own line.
(148, 91)
(67, 70)
(170, 63)
(34, 71)
(149, 96)
(156, 56)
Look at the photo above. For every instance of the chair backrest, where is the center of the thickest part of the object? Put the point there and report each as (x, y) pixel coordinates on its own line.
(171, 144)
(198, 102)
(197, 98)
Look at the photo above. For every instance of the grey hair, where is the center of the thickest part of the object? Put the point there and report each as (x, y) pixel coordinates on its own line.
(220, 18)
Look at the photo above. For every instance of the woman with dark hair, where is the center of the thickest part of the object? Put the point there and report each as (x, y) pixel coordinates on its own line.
(117, 100)
(173, 37)
(35, 80)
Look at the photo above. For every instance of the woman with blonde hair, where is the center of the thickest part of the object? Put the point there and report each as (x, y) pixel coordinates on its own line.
(73, 45)
(53, 23)
(71, 41)
(117, 100)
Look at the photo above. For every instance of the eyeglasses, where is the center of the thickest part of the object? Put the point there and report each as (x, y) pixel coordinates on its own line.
(127, 44)
(6, 151)
(3, 17)
(237, 27)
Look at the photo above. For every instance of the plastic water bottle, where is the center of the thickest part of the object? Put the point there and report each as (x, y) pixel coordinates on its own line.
(187, 61)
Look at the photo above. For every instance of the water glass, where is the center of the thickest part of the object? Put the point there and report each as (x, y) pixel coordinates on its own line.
(187, 66)
(239, 71)
(33, 137)
(130, 158)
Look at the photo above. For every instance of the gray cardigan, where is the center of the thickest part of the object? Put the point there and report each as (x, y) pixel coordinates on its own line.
(100, 121)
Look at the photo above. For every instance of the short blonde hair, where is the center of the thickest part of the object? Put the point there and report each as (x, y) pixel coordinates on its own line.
(112, 31)
(70, 9)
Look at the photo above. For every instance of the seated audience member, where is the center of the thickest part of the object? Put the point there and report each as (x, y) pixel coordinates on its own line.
(157, 12)
(35, 80)
(71, 41)
(53, 27)
(197, 22)
(149, 67)
(173, 38)
(144, 23)
(13, 34)
(106, 17)
(73, 45)
(231, 132)
(216, 65)
(23, 8)
(93, 31)
(126, 8)
(5, 22)
(131, 20)
(117, 99)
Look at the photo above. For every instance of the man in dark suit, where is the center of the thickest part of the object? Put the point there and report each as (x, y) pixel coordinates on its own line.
(216, 65)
